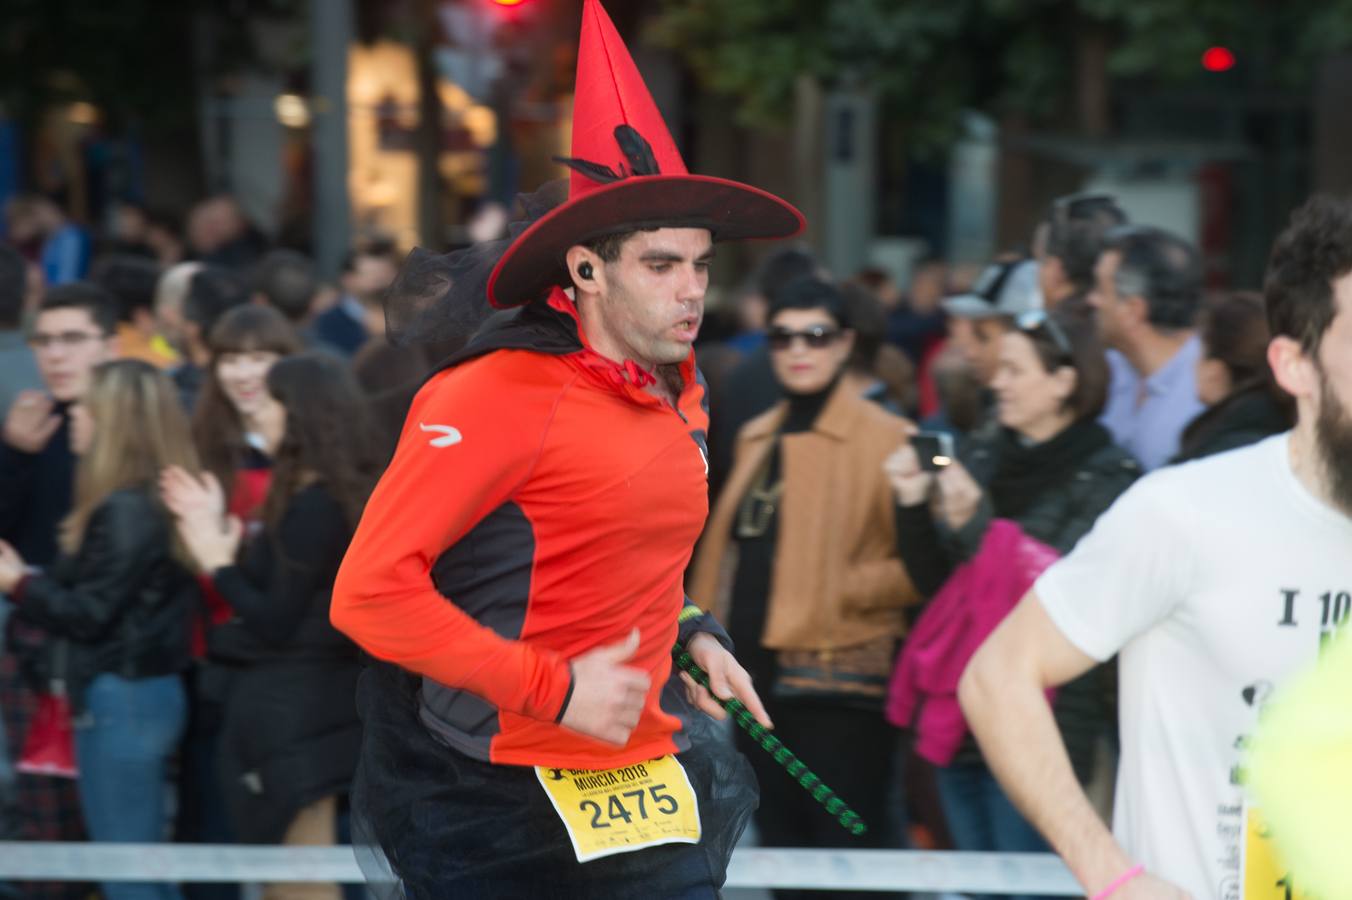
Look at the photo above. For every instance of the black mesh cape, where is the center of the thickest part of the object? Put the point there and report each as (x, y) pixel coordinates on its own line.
(442, 298)
(446, 825)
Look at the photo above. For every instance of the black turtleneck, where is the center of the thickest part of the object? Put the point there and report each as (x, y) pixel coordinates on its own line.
(805, 408)
(756, 553)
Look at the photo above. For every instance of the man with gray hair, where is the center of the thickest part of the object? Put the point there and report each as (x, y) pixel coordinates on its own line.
(1147, 289)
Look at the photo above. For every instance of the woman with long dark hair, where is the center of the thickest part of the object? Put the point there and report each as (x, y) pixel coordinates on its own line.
(236, 418)
(118, 600)
(234, 422)
(290, 736)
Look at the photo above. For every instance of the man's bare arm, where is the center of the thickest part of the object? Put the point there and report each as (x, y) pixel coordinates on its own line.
(1002, 696)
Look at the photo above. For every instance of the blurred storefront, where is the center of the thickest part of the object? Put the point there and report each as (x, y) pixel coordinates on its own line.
(501, 111)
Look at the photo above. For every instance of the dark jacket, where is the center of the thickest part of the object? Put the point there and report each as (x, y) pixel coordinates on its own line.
(749, 390)
(291, 734)
(1243, 418)
(121, 602)
(1075, 493)
(35, 494)
(338, 329)
(1059, 515)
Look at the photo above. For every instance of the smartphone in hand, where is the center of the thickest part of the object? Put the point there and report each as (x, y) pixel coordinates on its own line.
(934, 449)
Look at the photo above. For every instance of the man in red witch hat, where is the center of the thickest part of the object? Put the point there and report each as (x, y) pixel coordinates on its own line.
(521, 560)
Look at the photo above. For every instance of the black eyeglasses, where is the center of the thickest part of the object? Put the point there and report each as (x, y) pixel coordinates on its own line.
(65, 339)
(1034, 320)
(817, 337)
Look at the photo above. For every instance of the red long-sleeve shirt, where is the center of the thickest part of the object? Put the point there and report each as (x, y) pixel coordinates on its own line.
(539, 505)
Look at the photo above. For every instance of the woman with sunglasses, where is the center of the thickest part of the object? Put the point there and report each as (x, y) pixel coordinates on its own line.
(1047, 465)
(804, 527)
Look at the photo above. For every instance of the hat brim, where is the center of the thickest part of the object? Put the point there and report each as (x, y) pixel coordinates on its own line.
(969, 306)
(534, 263)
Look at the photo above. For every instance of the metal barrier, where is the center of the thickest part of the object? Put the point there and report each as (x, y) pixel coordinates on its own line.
(859, 870)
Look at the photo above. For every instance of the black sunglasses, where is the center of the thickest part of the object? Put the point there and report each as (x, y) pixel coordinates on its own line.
(1034, 320)
(816, 337)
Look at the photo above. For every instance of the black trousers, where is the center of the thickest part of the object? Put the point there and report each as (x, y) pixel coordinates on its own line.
(853, 751)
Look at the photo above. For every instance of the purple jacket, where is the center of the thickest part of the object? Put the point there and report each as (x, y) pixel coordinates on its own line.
(923, 694)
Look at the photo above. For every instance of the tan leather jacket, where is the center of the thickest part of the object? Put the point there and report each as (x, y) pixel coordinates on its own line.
(837, 580)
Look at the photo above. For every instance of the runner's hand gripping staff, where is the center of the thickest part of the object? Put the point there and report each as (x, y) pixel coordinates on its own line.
(807, 780)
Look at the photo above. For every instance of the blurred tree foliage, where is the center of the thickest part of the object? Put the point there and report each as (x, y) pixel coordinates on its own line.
(929, 59)
(137, 60)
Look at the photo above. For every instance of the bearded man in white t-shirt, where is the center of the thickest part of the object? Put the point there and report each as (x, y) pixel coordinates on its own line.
(1213, 582)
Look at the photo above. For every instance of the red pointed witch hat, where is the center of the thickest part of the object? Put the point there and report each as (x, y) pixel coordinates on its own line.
(626, 174)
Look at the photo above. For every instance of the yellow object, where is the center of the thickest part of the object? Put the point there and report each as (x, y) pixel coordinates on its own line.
(688, 613)
(132, 343)
(1265, 876)
(1300, 771)
(620, 810)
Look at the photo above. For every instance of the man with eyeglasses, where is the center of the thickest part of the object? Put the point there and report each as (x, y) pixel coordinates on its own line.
(73, 332)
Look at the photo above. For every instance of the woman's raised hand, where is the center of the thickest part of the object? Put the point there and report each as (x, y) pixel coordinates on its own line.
(189, 497)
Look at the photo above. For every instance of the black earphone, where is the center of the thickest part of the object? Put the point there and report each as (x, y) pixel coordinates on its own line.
(584, 271)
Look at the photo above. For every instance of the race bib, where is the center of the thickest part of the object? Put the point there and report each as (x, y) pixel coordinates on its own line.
(1265, 876)
(613, 811)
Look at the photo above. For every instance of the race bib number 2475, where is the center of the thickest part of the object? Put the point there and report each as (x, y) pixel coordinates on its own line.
(613, 811)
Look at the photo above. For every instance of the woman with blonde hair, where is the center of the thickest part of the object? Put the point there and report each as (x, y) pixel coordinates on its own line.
(119, 600)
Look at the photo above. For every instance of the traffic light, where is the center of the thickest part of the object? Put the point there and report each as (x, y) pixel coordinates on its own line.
(1218, 59)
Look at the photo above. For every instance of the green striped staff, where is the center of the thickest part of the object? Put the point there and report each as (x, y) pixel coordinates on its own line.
(806, 778)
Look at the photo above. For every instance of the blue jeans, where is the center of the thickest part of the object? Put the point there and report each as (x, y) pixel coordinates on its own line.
(980, 817)
(123, 743)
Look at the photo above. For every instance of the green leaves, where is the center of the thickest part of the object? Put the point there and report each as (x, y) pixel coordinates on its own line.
(929, 59)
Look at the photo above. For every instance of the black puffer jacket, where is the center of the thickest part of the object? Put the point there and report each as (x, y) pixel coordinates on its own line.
(291, 734)
(1061, 514)
(121, 602)
(1243, 418)
(1075, 491)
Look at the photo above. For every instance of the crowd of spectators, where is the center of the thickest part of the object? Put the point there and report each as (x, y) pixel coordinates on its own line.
(193, 419)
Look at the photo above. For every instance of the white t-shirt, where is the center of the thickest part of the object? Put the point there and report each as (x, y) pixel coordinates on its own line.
(1215, 581)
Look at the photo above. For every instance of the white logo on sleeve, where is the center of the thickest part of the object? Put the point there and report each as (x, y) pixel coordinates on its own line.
(448, 436)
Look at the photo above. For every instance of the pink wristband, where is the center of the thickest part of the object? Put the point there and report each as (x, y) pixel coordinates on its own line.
(1121, 880)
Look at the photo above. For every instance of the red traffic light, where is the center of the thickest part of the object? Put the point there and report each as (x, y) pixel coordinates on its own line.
(1218, 59)
(507, 2)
